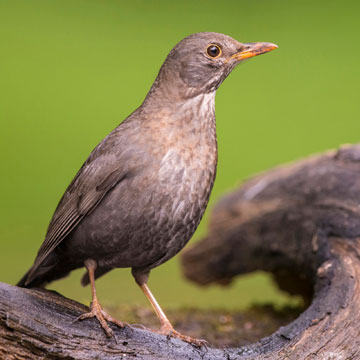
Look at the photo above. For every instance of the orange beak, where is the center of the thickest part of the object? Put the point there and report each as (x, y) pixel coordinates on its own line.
(253, 49)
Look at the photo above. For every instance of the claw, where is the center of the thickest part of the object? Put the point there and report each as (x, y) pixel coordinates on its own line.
(138, 326)
(197, 342)
(103, 317)
(168, 330)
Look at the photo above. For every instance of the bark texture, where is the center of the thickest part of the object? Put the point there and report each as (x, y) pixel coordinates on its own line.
(300, 222)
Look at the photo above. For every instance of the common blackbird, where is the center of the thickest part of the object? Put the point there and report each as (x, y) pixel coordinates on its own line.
(140, 195)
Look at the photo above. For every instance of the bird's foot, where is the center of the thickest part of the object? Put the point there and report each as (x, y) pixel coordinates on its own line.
(102, 316)
(168, 330)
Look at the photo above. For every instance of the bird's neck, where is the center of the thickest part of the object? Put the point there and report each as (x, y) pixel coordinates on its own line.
(170, 90)
(183, 127)
(186, 127)
(180, 110)
(193, 113)
(179, 101)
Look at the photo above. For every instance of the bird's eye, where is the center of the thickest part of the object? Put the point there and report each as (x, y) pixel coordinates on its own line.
(213, 51)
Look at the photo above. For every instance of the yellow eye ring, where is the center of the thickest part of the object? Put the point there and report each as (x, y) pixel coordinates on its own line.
(213, 51)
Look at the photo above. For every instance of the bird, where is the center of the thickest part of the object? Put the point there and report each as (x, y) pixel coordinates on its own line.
(140, 195)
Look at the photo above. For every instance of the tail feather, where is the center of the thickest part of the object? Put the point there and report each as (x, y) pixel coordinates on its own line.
(52, 268)
(38, 274)
(37, 281)
(22, 282)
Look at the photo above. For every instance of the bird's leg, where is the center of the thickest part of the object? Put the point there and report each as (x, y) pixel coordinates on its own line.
(166, 327)
(95, 307)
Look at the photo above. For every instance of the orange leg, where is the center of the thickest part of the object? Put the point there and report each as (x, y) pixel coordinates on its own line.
(166, 327)
(95, 307)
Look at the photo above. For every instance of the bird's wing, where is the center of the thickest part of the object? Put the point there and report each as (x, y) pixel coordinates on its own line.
(86, 191)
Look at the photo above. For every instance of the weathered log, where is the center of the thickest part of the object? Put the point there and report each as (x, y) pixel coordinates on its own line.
(300, 222)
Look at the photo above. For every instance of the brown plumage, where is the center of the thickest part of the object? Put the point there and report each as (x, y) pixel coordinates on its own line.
(141, 194)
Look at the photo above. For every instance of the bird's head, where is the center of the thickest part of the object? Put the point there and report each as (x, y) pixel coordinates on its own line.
(201, 62)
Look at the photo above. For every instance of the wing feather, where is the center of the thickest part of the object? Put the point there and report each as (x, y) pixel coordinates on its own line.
(88, 188)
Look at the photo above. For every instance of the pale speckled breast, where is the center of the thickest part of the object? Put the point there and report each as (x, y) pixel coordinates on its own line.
(191, 185)
(187, 170)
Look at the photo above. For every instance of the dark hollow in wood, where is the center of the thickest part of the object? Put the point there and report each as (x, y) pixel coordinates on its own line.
(300, 222)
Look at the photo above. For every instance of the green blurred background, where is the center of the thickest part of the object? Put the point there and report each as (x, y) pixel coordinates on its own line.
(70, 71)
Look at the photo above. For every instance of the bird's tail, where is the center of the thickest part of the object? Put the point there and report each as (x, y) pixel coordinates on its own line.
(38, 278)
(41, 274)
(36, 282)
(22, 281)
